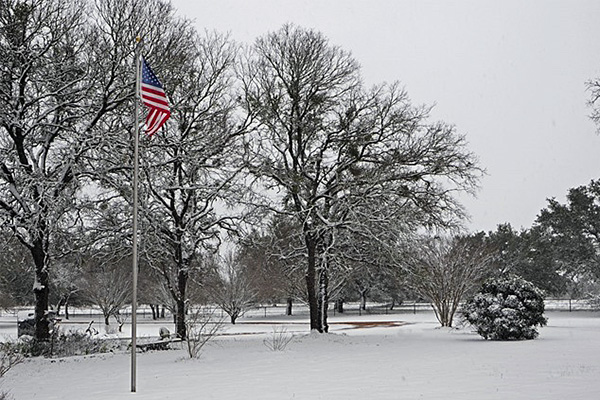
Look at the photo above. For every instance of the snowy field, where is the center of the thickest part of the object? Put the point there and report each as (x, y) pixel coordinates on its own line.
(409, 358)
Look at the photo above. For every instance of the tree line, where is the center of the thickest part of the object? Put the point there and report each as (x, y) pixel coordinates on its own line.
(326, 187)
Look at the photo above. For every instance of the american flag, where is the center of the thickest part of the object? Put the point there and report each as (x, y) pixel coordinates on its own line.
(153, 97)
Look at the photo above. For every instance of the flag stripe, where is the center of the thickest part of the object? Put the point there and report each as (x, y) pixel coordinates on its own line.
(158, 120)
(153, 88)
(147, 94)
(153, 96)
(154, 121)
(154, 104)
(151, 91)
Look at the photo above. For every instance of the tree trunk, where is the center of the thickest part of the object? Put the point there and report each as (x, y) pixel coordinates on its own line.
(154, 311)
(180, 328)
(59, 306)
(179, 297)
(310, 284)
(363, 299)
(339, 306)
(323, 300)
(442, 313)
(106, 319)
(67, 309)
(120, 321)
(41, 292)
(288, 310)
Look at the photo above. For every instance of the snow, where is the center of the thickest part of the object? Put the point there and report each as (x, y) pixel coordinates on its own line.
(411, 359)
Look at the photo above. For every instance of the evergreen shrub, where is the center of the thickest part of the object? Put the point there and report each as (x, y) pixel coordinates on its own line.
(506, 309)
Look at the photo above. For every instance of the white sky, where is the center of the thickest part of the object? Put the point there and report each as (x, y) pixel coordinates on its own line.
(509, 74)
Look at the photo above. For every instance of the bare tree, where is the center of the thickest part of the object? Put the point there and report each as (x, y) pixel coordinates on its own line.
(151, 290)
(65, 283)
(329, 146)
(107, 284)
(188, 168)
(273, 261)
(202, 327)
(46, 116)
(232, 291)
(66, 86)
(191, 167)
(593, 86)
(444, 270)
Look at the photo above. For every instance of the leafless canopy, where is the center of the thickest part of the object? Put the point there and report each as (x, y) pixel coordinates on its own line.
(443, 270)
(593, 86)
(334, 149)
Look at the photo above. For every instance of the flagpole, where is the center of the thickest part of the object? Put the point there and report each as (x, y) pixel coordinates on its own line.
(135, 218)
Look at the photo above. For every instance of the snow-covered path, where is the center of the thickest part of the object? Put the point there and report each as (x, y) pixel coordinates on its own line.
(412, 361)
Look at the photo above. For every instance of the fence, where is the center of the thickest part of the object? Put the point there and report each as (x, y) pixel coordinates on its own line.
(414, 307)
(569, 305)
(301, 309)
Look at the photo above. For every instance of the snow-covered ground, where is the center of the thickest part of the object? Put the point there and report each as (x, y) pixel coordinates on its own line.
(416, 360)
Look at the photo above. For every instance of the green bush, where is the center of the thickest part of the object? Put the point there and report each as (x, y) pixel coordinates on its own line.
(506, 309)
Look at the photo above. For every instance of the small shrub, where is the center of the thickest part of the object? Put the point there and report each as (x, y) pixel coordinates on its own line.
(76, 343)
(9, 357)
(201, 328)
(279, 339)
(5, 396)
(67, 344)
(506, 309)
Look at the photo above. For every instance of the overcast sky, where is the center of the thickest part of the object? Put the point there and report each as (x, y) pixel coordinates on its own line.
(509, 74)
